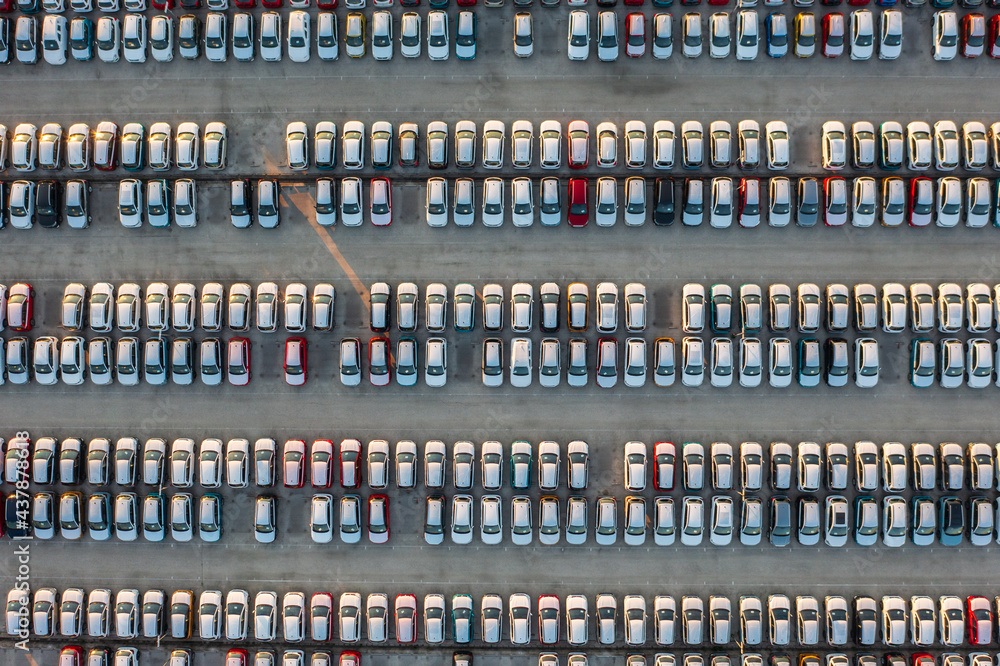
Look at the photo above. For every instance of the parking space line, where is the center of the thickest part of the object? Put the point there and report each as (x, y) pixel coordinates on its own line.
(306, 204)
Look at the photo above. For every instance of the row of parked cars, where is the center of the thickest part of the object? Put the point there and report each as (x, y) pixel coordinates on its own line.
(923, 520)
(807, 467)
(159, 307)
(721, 519)
(744, 39)
(107, 147)
(720, 309)
(720, 363)
(747, 148)
(721, 201)
(972, 363)
(129, 360)
(918, 306)
(124, 515)
(74, 655)
(155, 463)
(919, 148)
(85, 6)
(776, 620)
(521, 302)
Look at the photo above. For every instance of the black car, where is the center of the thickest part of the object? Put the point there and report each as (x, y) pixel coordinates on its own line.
(17, 516)
(47, 206)
(952, 521)
(663, 212)
(3, 204)
(808, 212)
(781, 521)
(836, 359)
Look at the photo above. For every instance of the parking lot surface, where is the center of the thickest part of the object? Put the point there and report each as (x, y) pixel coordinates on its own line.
(258, 99)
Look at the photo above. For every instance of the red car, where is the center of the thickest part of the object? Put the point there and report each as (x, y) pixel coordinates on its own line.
(163, 4)
(378, 518)
(858, 3)
(20, 302)
(236, 657)
(321, 616)
(321, 463)
(835, 201)
(833, 35)
(271, 4)
(979, 616)
(973, 35)
(664, 465)
(579, 206)
(718, 2)
(921, 201)
(326, 4)
(246, 4)
(922, 659)
(635, 35)
(379, 365)
(633, 3)
(293, 463)
(607, 362)
(350, 658)
(548, 619)
(409, 3)
(406, 618)
(578, 138)
(295, 361)
(350, 470)
(995, 36)
(6, 6)
(71, 655)
(238, 362)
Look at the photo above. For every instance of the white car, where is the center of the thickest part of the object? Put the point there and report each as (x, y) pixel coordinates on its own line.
(54, 39)
(437, 35)
(890, 34)
(187, 150)
(298, 36)
(436, 362)
(862, 35)
(945, 35)
(578, 47)
(520, 363)
(719, 37)
(780, 362)
(409, 35)
(523, 42)
(747, 35)
(134, 38)
(381, 29)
